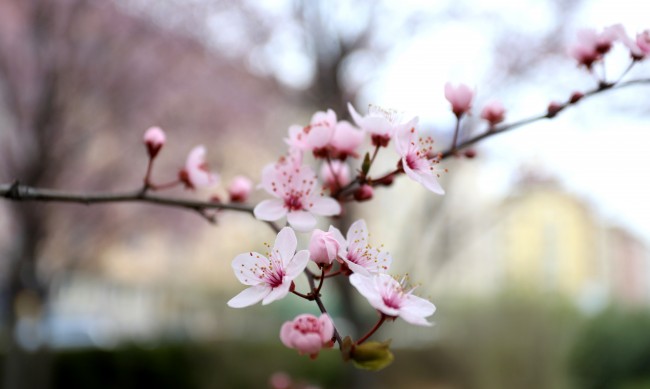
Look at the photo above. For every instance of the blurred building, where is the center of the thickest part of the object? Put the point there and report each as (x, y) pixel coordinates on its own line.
(540, 238)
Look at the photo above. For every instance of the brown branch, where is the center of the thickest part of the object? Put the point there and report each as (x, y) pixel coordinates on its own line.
(20, 192)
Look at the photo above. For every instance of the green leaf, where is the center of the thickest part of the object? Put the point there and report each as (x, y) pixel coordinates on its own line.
(372, 355)
(365, 167)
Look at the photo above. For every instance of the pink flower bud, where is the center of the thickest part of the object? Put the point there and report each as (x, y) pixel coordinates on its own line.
(154, 139)
(240, 189)
(363, 193)
(643, 42)
(460, 98)
(335, 174)
(308, 334)
(493, 112)
(553, 109)
(323, 247)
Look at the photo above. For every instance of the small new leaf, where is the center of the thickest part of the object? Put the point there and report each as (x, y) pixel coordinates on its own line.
(365, 167)
(372, 355)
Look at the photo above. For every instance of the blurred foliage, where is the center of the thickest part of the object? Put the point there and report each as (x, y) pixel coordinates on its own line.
(613, 351)
(513, 342)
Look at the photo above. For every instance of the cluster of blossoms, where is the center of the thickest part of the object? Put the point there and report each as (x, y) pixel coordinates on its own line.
(300, 195)
(591, 45)
(195, 173)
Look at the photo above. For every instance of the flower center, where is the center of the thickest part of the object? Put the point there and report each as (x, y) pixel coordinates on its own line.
(293, 203)
(307, 325)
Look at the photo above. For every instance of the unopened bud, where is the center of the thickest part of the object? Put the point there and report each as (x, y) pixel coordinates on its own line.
(363, 193)
(470, 153)
(575, 97)
(240, 189)
(154, 139)
(553, 109)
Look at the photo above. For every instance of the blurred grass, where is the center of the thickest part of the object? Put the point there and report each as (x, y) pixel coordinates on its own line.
(513, 342)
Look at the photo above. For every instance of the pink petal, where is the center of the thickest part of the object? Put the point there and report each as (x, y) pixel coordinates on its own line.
(366, 286)
(339, 238)
(358, 234)
(357, 269)
(326, 328)
(285, 244)
(249, 296)
(270, 210)
(242, 265)
(286, 334)
(324, 206)
(319, 137)
(308, 343)
(427, 179)
(268, 177)
(277, 293)
(297, 265)
(302, 221)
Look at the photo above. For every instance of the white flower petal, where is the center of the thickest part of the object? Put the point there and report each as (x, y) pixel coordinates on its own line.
(357, 235)
(285, 244)
(270, 210)
(302, 221)
(324, 206)
(357, 269)
(426, 178)
(249, 296)
(243, 264)
(297, 265)
(277, 293)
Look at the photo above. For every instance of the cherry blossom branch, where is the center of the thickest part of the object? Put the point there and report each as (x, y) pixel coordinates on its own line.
(548, 115)
(494, 130)
(382, 319)
(20, 192)
(312, 284)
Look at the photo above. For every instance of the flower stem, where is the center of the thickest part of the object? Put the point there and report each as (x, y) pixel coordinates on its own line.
(374, 329)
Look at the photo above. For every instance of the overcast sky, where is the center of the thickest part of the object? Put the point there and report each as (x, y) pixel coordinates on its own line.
(599, 149)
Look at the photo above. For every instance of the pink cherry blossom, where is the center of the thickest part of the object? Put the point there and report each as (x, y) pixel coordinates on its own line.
(316, 136)
(379, 122)
(416, 163)
(591, 45)
(460, 97)
(196, 174)
(154, 139)
(324, 247)
(269, 276)
(308, 334)
(296, 196)
(335, 174)
(240, 189)
(390, 297)
(345, 140)
(493, 112)
(356, 253)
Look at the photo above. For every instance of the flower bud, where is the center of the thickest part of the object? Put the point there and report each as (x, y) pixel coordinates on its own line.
(308, 334)
(363, 193)
(335, 174)
(240, 189)
(553, 109)
(575, 97)
(460, 98)
(470, 153)
(493, 112)
(323, 247)
(154, 139)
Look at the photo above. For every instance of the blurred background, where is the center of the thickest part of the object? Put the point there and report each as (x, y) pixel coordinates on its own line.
(536, 258)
